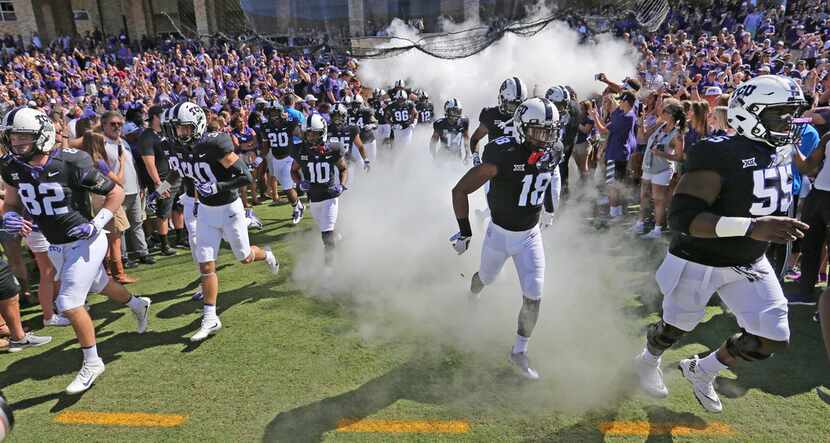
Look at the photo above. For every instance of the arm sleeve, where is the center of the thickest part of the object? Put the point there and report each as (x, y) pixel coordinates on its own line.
(88, 177)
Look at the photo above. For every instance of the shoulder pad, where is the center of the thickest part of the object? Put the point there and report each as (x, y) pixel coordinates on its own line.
(336, 147)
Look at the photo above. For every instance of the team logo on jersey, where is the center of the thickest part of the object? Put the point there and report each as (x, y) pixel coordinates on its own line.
(519, 168)
(750, 163)
(15, 176)
(303, 157)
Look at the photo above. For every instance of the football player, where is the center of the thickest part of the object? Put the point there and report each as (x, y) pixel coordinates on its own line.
(378, 103)
(727, 207)
(349, 136)
(402, 115)
(53, 186)
(217, 173)
(320, 169)
(426, 112)
(519, 171)
(277, 137)
(451, 132)
(497, 121)
(363, 117)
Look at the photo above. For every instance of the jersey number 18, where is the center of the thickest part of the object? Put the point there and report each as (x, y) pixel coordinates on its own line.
(533, 191)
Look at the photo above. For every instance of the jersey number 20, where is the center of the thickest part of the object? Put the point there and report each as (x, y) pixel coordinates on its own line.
(534, 193)
(774, 188)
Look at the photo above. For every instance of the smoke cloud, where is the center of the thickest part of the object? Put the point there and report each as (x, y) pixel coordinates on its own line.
(395, 263)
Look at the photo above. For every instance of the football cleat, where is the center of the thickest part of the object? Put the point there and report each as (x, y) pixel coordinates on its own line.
(254, 223)
(703, 384)
(142, 315)
(57, 320)
(475, 284)
(272, 261)
(87, 375)
(651, 378)
(297, 213)
(521, 363)
(209, 327)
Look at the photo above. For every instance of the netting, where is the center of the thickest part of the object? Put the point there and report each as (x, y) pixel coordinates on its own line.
(252, 20)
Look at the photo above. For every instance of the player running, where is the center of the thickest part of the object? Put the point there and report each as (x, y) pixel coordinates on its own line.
(726, 209)
(217, 173)
(53, 187)
(519, 171)
(450, 134)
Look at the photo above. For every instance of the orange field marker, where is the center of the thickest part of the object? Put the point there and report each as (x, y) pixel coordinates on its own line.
(137, 419)
(404, 426)
(644, 428)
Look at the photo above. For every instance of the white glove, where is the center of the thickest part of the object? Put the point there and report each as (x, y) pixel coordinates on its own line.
(546, 220)
(460, 243)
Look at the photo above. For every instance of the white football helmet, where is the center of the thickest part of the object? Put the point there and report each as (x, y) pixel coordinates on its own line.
(29, 122)
(560, 97)
(400, 84)
(511, 94)
(766, 109)
(358, 100)
(188, 114)
(453, 109)
(401, 95)
(315, 130)
(339, 114)
(537, 123)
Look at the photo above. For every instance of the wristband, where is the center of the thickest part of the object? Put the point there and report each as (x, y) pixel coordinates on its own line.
(464, 227)
(102, 218)
(733, 226)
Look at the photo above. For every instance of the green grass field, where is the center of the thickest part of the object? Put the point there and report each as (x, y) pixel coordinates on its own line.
(289, 367)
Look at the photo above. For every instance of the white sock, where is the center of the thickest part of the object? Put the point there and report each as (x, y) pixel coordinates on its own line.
(209, 311)
(135, 303)
(658, 229)
(521, 344)
(91, 353)
(651, 359)
(711, 365)
(619, 210)
(612, 211)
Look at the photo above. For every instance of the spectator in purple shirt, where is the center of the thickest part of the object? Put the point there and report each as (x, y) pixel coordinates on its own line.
(622, 140)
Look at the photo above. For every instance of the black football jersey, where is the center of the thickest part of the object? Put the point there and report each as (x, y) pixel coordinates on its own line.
(517, 192)
(319, 168)
(57, 195)
(205, 167)
(451, 135)
(363, 119)
(380, 113)
(180, 159)
(757, 181)
(497, 124)
(344, 134)
(426, 112)
(280, 138)
(400, 113)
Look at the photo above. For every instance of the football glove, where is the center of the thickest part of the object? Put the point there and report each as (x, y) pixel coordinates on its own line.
(13, 223)
(83, 231)
(547, 220)
(305, 185)
(476, 159)
(460, 243)
(207, 189)
(339, 188)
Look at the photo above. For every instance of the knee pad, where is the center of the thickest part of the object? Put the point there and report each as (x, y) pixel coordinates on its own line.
(750, 347)
(329, 239)
(662, 336)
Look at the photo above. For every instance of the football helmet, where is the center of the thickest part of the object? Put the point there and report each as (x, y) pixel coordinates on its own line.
(537, 123)
(401, 96)
(276, 112)
(452, 110)
(27, 132)
(511, 94)
(766, 109)
(339, 114)
(187, 114)
(315, 130)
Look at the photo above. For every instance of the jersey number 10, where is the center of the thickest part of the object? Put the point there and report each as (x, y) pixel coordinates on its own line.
(534, 194)
(319, 173)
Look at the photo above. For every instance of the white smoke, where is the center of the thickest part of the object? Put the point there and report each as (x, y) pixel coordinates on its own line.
(396, 265)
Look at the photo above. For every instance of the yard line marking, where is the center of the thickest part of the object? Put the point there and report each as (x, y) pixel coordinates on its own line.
(137, 419)
(644, 428)
(404, 426)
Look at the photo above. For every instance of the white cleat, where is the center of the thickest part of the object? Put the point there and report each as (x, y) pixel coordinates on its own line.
(297, 213)
(29, 341)
(57, 320)
(142, 315)
(520, 361)
(639, 228)
(651, 378)
(652, 235)
(209, 327)
(703, 384)
(272, 261)
(83, 381)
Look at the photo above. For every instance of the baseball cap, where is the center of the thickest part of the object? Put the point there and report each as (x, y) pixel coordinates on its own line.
(310, 98)
(627, 96)
(712, 90)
